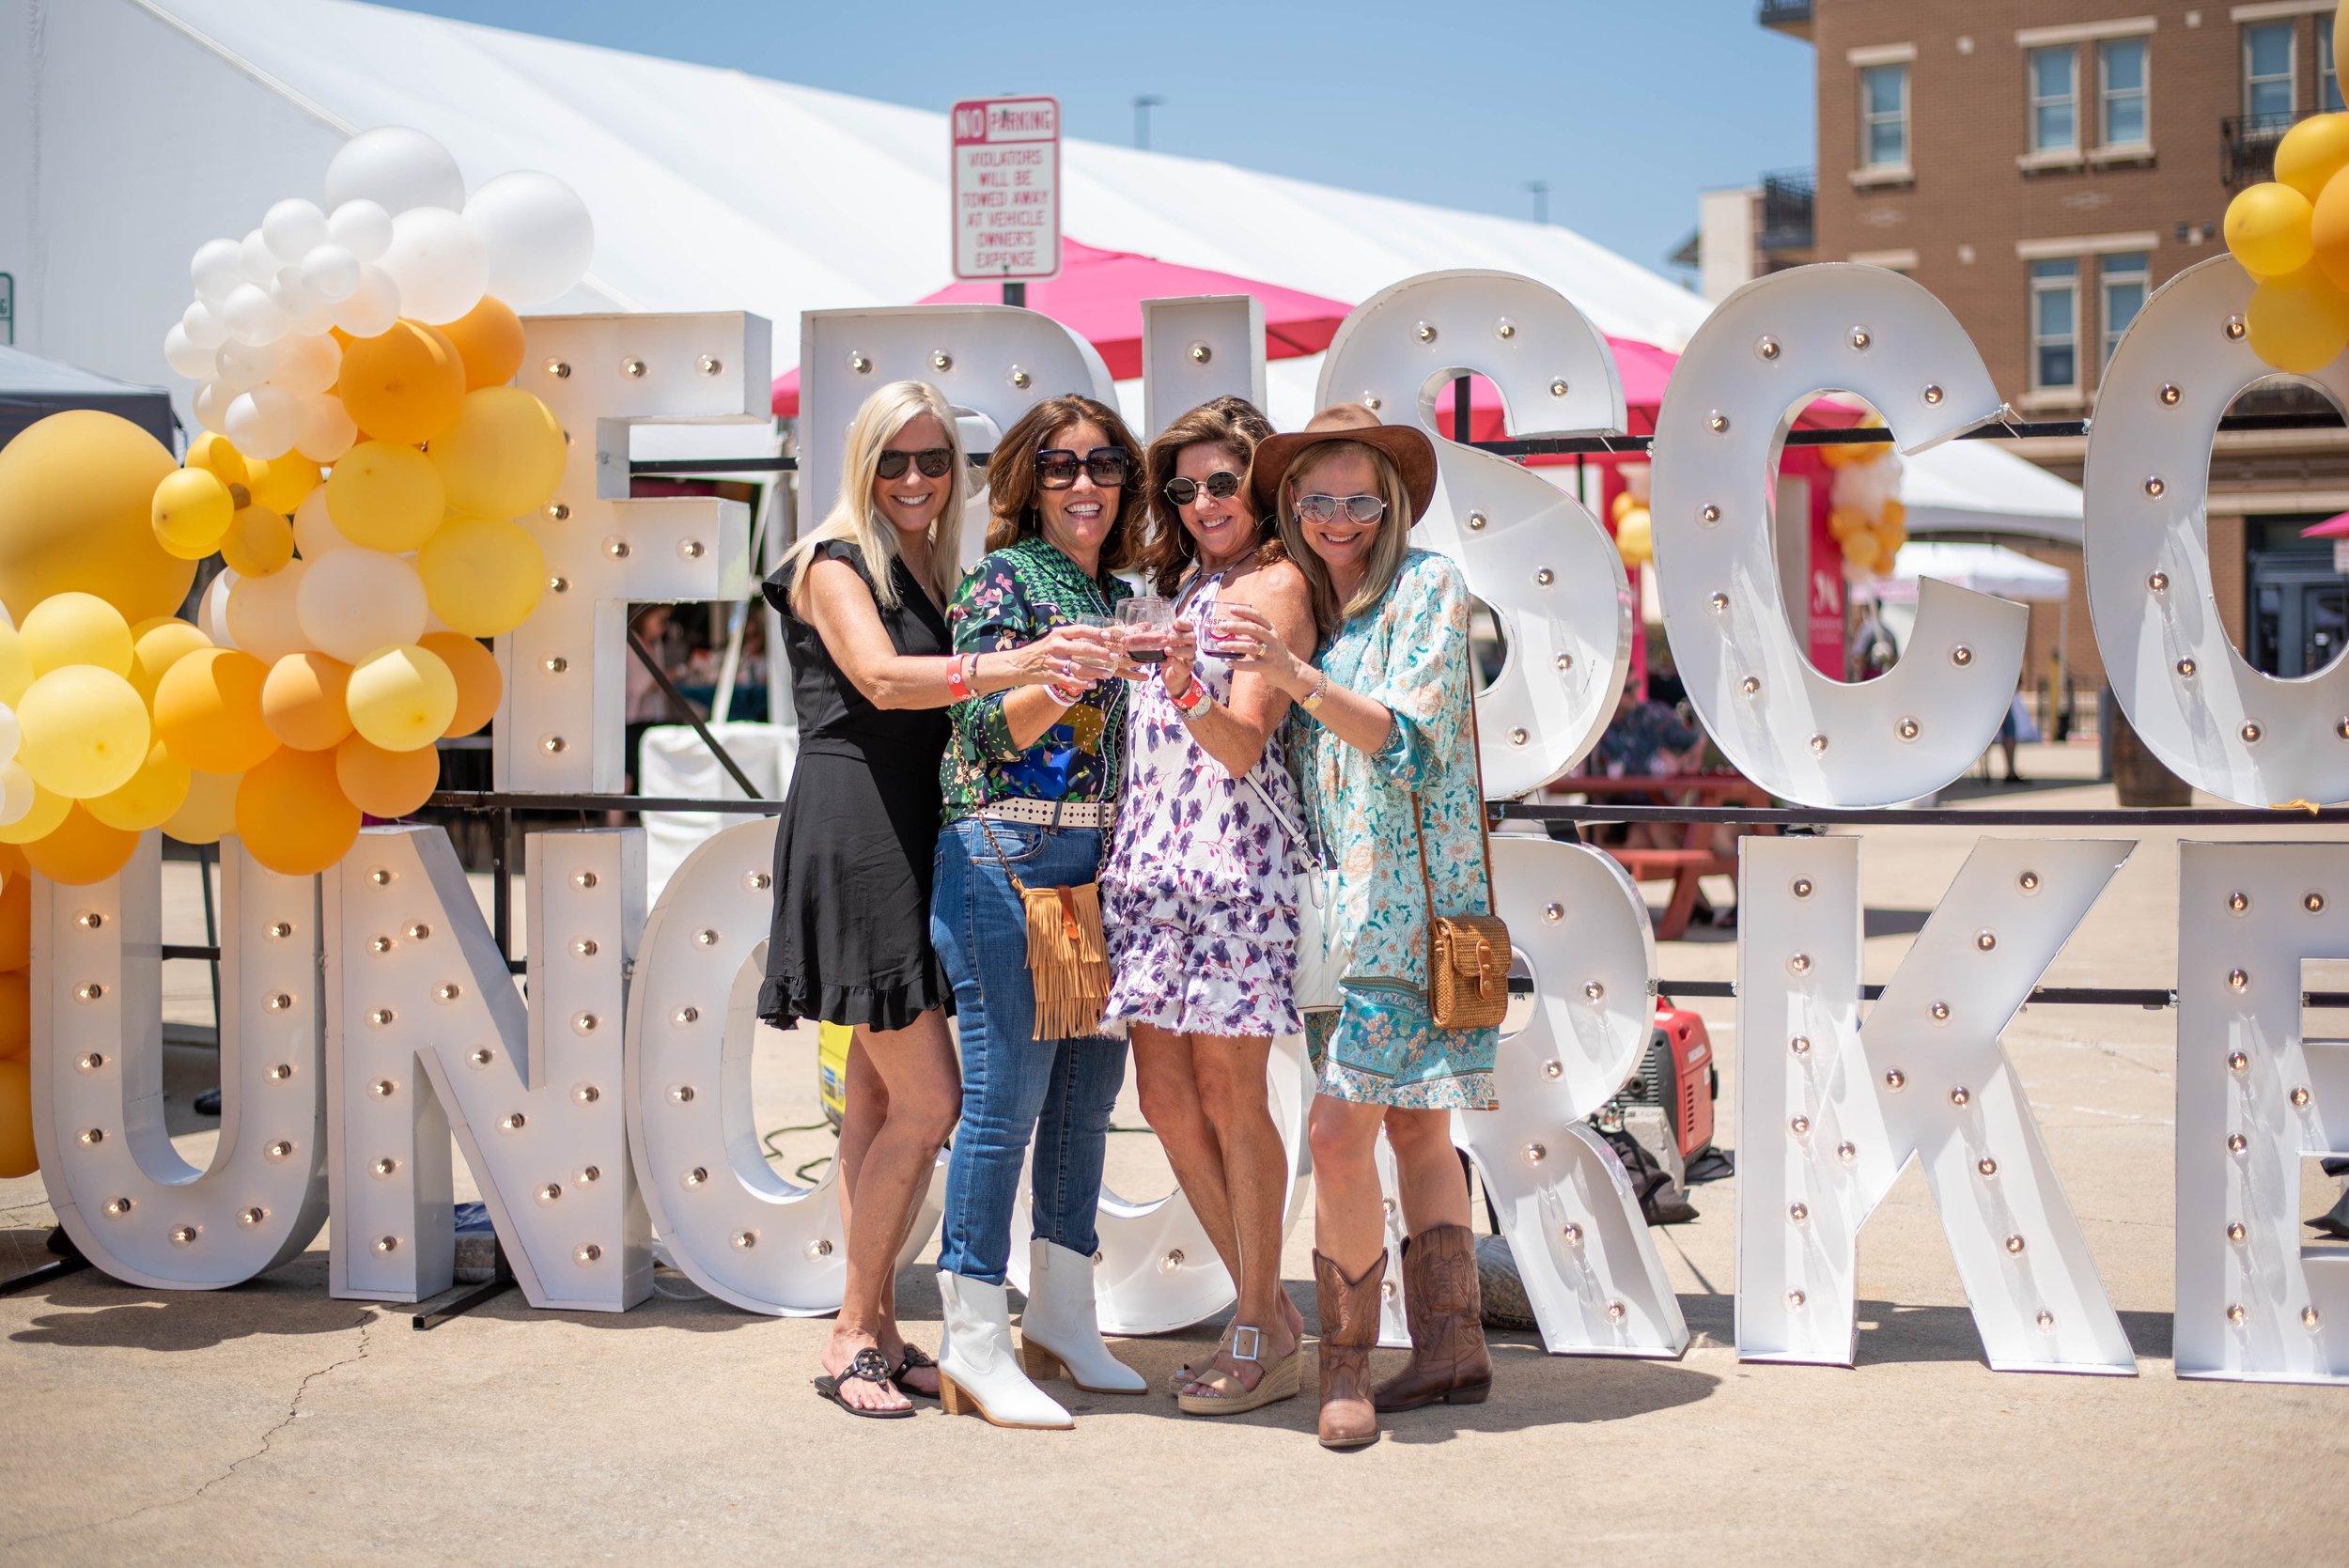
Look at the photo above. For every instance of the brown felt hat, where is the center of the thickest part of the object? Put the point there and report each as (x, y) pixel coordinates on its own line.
(1407, 447)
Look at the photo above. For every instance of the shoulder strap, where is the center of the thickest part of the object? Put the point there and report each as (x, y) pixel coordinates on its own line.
(1484, 829)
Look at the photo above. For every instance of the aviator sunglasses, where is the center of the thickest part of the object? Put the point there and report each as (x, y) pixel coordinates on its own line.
(1324, 508)
(1223, 485)
(1056, 467)
(934, 462)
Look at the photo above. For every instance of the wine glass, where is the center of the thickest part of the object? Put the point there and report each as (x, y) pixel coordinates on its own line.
(1103, 662)
(1144, 624)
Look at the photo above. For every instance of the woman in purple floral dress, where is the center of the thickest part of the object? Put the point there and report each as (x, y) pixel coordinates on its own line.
(1199, 897)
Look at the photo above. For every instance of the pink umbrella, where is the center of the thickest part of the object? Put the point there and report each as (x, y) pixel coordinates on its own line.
(2331, 528)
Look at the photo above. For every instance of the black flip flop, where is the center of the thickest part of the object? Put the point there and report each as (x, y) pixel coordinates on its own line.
(913, 1357)
(872, 1367)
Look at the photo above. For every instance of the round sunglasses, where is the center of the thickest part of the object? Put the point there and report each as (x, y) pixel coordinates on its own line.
(1223, 485)
(1324, 508)
(934, 462)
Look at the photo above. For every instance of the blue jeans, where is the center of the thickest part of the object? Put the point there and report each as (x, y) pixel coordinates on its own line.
(1013, 1086)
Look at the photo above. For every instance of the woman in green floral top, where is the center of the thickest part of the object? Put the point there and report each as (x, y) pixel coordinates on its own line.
(1380, 740)
(1030, 781)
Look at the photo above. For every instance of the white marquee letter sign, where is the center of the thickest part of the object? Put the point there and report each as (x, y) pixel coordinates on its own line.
(2202, 709)
(1831, 1111)
(1531, 552)
(427, 1036)
(135, 1208)
(558, 722)
(2256, 1099)
(1764, 352)
(1196, 350)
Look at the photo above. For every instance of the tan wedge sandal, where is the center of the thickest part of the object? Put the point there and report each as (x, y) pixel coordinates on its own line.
(1282, 1380)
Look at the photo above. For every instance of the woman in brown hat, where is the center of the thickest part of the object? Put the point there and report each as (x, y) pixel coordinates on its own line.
(1382, 709)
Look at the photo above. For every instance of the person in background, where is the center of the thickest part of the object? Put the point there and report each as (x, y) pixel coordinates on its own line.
(862, 600)
(1199, 897)
(1030, 781)
(1382, 742)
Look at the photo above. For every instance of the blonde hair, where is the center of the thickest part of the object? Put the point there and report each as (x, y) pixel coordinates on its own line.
(1386, 556)
(855, 519)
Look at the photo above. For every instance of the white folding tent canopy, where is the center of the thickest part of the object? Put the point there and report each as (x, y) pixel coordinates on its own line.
(1984, 568)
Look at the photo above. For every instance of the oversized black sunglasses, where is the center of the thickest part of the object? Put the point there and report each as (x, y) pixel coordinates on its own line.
(1056, 467)
(934, 462)
(1221, 484)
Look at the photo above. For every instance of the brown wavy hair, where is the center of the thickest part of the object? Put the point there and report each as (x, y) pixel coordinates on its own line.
(1011, 486)
(1234, 424)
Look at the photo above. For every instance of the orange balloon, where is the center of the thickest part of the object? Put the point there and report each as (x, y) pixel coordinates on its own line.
(18, 1156)
(16, 1015)
(258, 541)
(489, 338)
(209, 813)
(291, 815)
(386, 784)
(156, 645)
(16, 915)
(208, 710)
(478, 679)
(82, 850)
(405, 385)
(301, 701)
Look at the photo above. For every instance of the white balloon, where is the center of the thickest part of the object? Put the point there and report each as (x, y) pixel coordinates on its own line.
(330, 271)
(254, 257)
(261, 612)
(440, 264)
(362, 228)
(16, 792)
(306, 365)
(211, 407)
(539, 236)
(324, 433)
(354, 602)
(212, 610)
(306, 315)
(11, 734)
(252, 316)
(205, 328)
(291, 228)
(315, 534)
(369, 310)
(241, 367)
(262, 422)
(217, 267)
(184, 356)
(395, 167)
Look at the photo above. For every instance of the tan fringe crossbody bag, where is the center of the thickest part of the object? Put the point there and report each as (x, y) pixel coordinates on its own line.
(1467, 955)
(1069, 960)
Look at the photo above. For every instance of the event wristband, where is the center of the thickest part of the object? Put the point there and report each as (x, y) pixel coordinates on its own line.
(1192, 701)
(959, 675)
(1065, 698)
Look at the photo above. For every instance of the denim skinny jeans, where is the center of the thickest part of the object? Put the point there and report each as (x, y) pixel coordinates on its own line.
(1014, 1087)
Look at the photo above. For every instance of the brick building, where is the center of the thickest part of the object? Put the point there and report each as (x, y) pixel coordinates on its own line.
(2042, 166)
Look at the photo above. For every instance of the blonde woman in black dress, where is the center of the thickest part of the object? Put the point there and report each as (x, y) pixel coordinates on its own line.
(873, 671)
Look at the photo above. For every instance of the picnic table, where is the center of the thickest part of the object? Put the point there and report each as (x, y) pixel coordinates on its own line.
(1695, 859)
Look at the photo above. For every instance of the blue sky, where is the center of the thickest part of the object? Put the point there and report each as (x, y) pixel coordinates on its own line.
(1626, 110)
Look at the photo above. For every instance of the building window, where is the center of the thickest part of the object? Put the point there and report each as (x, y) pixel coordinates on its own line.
(1884, 116)
(2125, 279)
(2120, 73)
(2267, 72)
(2055, 99)
(2055, 289)
(2328, 74)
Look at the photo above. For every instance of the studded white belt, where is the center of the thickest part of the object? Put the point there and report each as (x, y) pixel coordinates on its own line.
(1051, 814)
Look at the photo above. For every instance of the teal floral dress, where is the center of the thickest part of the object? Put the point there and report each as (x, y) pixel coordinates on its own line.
(1411, 654)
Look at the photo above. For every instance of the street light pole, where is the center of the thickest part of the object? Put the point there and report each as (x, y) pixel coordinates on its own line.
(1143, 103)
(1541, 199)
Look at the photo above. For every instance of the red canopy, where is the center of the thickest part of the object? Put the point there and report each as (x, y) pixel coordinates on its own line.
(2331, 528)
(1098, 295)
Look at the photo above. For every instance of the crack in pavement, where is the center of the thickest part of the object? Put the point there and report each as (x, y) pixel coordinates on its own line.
(366, 1327)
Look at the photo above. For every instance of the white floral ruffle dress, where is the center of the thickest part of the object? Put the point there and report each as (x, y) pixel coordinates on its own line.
(1199, 894)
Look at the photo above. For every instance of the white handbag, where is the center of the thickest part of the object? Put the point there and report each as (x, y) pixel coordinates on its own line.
(1321, 960)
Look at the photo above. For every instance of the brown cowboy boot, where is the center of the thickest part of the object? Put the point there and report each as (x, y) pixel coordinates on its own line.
(1349, 1327)
(1447, 1311)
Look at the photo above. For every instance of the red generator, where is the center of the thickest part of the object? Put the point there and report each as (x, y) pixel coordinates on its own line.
(1676, 1077)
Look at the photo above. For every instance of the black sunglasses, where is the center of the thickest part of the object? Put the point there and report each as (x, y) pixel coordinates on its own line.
(935, 462)
(1056, 467)
(1221, 484)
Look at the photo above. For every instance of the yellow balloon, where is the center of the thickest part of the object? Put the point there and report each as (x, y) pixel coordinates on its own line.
(16, 1016)
(2298, 323)
(1635, 537)
(1844, 522)
(86, 731)
(258, 542)
(402, 698)
(211, 452)
(482, 576)
(49, 809)
(1621, 503)
(15, 910)
(1863, 548)
(76, 629)
(77, 497)
(280, 483)
(386, 497)
(16, 664)
(209, 812)
(18, 1158)
(2267, 229)
(2312, 153)
(504, 457)
(156, 645)
(152, 798)
(2328, 230)
(82, 850)
(291, 815)
(193, 509)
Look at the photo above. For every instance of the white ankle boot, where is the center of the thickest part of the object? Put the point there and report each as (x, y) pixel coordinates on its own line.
(976, 1372)
(1059, 1331)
